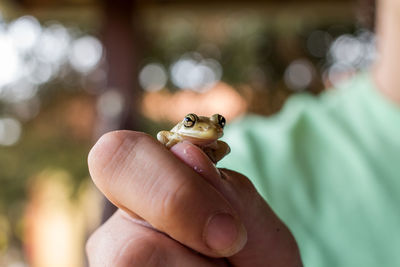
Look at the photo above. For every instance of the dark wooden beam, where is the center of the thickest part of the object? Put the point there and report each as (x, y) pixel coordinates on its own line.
(121, 42)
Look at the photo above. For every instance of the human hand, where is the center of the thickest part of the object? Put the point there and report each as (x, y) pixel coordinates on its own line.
(176, 214)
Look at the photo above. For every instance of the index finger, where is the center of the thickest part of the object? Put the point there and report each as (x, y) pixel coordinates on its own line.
(139, 175)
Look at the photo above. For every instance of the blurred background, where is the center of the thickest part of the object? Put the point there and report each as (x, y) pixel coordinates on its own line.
(71, 70)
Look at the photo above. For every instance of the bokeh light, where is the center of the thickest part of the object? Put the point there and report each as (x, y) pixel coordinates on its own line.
(193, 72)
(347, 49)
(153, 77)
(10, 61)
(24, 32)
(41, 72)
(19, 91)
(52, 47)
(299, 74)
(36, 54)
(10, 131)
(348, 54)
(110, 104)
(85, 53)
(31, 56)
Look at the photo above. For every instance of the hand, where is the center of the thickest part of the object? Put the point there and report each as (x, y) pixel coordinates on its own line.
(180, 210)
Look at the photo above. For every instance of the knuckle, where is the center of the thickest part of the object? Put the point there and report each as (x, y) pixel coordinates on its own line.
(146, 252)
(173, 202)
(239, 180)
(95, 246)
(246, 184)
(244, 188)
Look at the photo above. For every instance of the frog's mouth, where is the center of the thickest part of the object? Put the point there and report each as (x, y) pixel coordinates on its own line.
(199, 141)
(202, 140)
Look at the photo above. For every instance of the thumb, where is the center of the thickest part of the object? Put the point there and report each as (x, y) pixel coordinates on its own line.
(270, 243)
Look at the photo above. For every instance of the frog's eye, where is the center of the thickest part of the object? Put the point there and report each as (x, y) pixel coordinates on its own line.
(190, 120)
(216, 118)
(221, 121)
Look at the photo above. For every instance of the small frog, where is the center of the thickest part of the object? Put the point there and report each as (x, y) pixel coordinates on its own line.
(201, 131)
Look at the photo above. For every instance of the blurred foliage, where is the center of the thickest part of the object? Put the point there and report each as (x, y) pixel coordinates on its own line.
(46, 142)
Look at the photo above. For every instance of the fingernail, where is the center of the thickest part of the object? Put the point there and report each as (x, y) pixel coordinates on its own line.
(224, 234)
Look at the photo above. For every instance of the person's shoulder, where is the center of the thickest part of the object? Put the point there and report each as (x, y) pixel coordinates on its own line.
(304, 113)
(340, 103)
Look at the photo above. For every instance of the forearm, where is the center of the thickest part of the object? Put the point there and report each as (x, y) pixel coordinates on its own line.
(386, 69)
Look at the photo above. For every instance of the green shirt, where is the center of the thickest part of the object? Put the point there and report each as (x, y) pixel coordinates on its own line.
(329, 166)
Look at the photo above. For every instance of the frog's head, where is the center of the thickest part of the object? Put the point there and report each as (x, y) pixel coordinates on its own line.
(201, 129)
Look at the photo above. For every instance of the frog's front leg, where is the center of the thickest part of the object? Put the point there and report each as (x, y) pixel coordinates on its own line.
(168, 138)
(217, 151)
